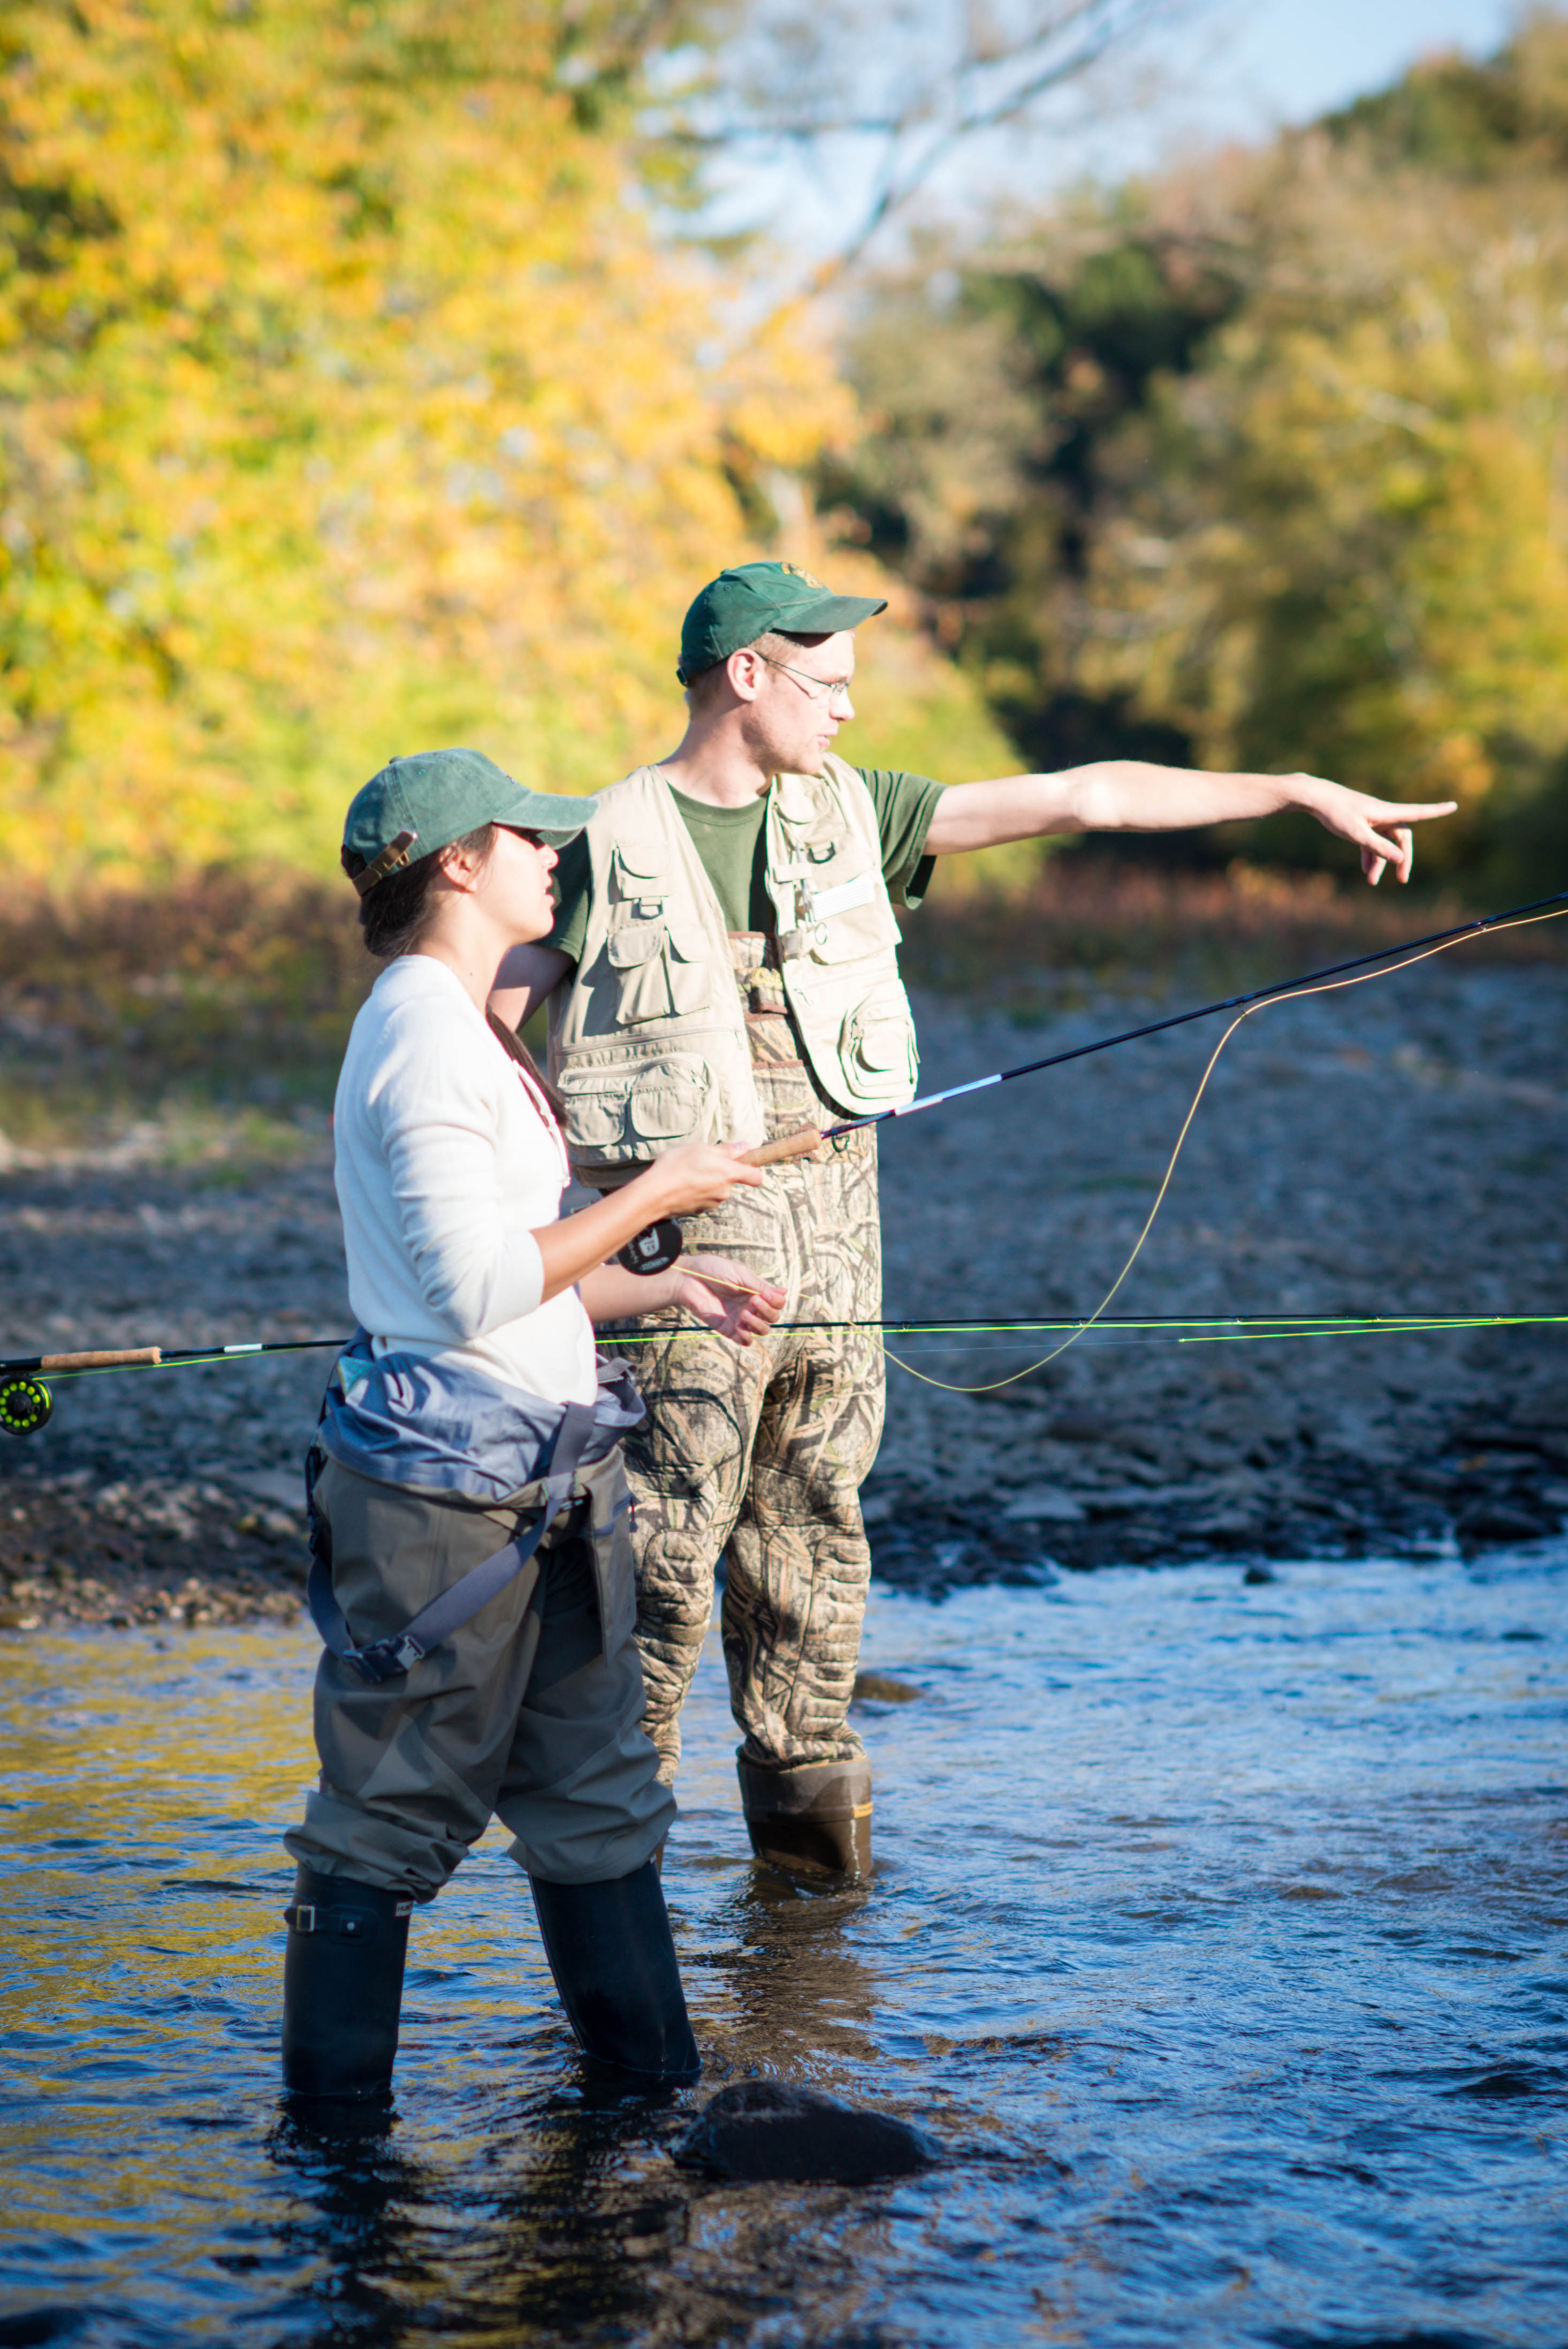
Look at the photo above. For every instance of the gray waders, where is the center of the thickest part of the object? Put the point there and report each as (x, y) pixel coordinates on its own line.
(478, 1681)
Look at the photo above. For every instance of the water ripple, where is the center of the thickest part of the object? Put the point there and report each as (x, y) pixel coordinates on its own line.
(1218, 1935)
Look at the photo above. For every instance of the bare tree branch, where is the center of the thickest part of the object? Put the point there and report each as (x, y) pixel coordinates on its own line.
(930, 78)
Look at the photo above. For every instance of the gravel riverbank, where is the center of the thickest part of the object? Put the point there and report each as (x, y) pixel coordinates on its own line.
(1401, 1148)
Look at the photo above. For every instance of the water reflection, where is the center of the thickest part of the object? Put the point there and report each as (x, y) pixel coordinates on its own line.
(1217, 1934)
(799, 1995)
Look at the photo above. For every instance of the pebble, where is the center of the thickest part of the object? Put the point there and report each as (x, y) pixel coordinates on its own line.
(1401, 1149)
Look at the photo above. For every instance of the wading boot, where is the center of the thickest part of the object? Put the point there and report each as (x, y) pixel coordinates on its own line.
(817, 1818)
(343, 1987)
(613, 1961)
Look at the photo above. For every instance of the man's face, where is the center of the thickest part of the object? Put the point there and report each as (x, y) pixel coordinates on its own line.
(800, 704)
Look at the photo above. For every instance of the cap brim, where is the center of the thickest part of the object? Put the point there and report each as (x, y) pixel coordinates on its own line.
(555, 816)
(825, 616)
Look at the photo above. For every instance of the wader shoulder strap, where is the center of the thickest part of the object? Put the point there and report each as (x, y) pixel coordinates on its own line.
(389, 1659)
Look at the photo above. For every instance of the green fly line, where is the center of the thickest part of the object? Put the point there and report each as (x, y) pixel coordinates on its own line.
(26, 1404)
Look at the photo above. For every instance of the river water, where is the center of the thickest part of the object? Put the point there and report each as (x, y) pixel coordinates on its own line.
(1220, 1933)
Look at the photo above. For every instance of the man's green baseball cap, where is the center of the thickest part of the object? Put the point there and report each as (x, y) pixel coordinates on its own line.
(416, 805)
(742, 604)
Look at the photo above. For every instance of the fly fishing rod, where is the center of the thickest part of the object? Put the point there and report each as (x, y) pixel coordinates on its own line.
(1357, 970)
(27, 1403)
(796, 1144)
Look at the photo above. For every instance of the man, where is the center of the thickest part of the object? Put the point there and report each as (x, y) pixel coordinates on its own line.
(723, 966)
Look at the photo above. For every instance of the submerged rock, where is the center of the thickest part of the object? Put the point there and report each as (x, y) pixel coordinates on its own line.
(880, 1688)
(763, 2129)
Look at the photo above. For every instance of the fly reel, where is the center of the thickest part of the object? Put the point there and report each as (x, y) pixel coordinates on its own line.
(25, 1405)
(653, 1250)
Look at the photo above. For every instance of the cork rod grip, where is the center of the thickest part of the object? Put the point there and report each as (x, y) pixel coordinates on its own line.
(108, 1362)
(789, 1145)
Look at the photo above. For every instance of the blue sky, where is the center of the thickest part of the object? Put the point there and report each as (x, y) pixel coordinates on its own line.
(1241, 69)
(1224, 69)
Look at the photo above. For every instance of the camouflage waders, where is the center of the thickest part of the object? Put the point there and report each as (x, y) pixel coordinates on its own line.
(758, 1455)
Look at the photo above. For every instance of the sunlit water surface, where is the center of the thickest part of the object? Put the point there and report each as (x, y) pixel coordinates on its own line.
(1219, 1933)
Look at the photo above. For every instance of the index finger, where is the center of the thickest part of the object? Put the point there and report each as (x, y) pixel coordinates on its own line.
(1383, 812)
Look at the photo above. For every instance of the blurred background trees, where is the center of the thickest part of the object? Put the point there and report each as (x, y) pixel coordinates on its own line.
(347, 399)
(1264, 461)
(372, 372)
(359, 389)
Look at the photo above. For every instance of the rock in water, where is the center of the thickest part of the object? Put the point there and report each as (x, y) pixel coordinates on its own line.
(762, 2129)
(880, 1688)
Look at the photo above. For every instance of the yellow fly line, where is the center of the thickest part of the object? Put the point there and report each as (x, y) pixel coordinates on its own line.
(1294, 995)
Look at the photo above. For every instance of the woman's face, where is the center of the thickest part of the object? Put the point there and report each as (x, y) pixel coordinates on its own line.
(515, 884)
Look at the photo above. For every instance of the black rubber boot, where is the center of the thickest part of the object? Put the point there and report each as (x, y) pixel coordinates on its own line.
(817, 1820)
(343, 1987)
(613, 1961)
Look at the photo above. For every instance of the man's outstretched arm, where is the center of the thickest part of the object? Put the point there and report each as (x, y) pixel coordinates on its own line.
(1130, 795)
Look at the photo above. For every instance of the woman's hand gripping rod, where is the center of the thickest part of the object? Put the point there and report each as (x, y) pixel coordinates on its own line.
(656, 1247)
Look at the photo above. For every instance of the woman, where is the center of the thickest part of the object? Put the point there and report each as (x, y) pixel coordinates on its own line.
(472, 1574)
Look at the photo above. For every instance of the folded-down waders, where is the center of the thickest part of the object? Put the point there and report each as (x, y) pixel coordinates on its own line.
(581, 1431)
(384, 1660)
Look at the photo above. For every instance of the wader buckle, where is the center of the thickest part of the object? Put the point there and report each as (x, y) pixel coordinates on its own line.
(387, 1659)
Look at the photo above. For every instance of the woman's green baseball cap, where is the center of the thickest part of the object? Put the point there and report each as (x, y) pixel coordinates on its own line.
(742, 604)
(416, 805)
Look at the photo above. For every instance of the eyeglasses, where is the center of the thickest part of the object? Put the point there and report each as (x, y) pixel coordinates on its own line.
(828, 689)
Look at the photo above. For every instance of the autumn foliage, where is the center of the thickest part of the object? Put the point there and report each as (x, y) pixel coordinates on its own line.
(348, 401)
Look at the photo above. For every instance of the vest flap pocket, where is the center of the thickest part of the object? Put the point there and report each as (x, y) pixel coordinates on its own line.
(629, 1104)
(636, 943)
(665, 971)
(595, 1103)
(665, 1104)
(877, 1045)
(638, 865)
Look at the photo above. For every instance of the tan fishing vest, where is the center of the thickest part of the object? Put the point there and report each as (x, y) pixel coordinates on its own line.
(647, 1039)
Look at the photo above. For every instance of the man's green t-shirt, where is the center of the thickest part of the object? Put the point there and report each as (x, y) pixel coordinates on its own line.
(733, 848)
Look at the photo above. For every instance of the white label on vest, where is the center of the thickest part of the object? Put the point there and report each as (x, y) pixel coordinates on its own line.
(843, 899)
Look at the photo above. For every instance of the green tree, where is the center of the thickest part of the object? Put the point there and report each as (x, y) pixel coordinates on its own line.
(1262, 461)
(1341, 540)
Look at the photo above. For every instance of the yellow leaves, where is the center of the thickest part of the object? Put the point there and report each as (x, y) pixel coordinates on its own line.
(1456, 767)
(353, 405)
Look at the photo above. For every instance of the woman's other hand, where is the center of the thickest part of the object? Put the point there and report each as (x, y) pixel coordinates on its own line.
(728, 1297)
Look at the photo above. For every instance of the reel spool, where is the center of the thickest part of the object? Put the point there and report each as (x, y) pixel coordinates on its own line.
(25, 1405)
(654, 1250)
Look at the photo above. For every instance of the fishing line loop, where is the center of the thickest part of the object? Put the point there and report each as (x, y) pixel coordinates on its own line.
(1264, 1002)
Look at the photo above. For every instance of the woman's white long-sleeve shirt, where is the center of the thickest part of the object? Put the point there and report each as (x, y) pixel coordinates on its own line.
(447, 1162)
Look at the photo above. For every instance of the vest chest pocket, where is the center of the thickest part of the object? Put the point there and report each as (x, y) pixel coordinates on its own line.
(635, 878)
(663, 968)
(853, 919)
